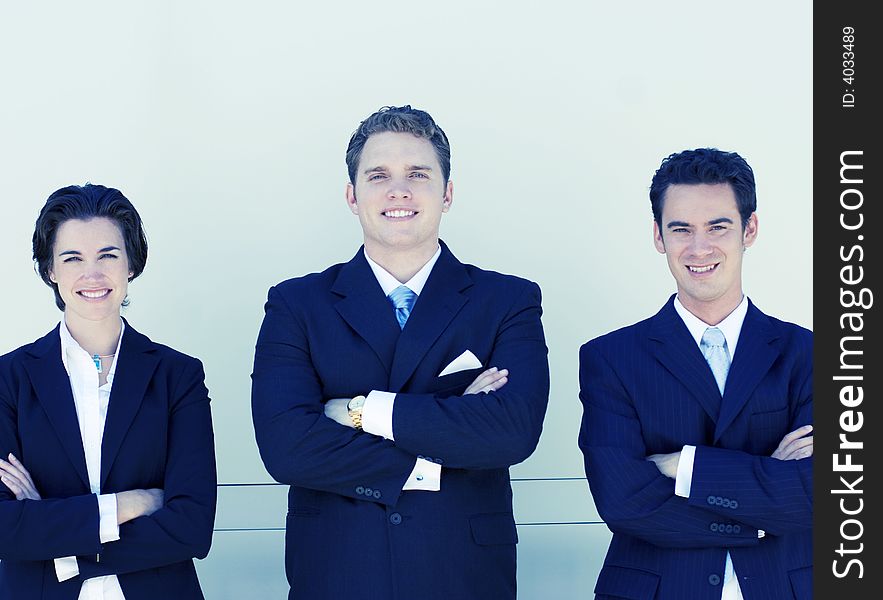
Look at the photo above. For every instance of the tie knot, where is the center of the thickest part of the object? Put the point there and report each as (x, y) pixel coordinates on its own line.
(713, 337)
(402, 297)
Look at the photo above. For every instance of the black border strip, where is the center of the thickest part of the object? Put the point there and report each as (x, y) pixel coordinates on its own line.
(846, 228)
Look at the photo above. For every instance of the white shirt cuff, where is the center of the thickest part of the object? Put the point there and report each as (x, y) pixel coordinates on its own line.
(684, 480)
(760, 533)
(108, 528)
(426, 476)
(66, 568)
(377, 414)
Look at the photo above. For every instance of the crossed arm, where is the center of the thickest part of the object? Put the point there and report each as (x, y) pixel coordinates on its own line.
(157, 526)
(489, 425)
(635, 492)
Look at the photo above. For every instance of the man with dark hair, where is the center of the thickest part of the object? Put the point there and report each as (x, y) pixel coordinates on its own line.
(698, 455)
(392, 392)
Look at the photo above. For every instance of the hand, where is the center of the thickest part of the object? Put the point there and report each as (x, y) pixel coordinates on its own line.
(336, 410)
(667, 463)
(488, 381)
(17, 479)
(794, 446)
(138, 503)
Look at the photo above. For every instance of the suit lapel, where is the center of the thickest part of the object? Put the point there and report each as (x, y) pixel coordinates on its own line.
(437, 305)
(365, 308)
(676, 349)
(136, 366)
(756, 355)
(53, 389)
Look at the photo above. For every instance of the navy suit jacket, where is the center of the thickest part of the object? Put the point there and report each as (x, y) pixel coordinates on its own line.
(351, 532)
(647, 389)
(158, 434)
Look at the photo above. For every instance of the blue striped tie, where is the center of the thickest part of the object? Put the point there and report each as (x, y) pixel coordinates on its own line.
(714, 348)
(403, 300)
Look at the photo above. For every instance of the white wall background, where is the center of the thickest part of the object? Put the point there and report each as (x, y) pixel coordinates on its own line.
(226, 125)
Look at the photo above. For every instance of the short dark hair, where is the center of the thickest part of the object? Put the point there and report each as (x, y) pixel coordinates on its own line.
(400, 119)
(705, 165)
(86, 202)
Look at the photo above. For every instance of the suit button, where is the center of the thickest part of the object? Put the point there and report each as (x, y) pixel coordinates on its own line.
(728, 528)
(360, 490)
(726, 503)
(439, 461)
(395, 519)
(718, 501)
(714, 579)
(710, 500)
(713, 527)
(377, 494)
(734, 504)
(369, 491)
(736, 529)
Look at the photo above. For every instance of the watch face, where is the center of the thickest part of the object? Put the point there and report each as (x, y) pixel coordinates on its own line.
(356, 403)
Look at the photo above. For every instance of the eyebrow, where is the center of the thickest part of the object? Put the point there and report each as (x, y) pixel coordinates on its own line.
(717, 221)
(677, 224)
(408, 168)
(77, 252)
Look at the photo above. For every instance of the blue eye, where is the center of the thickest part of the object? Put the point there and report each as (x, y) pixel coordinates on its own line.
(419, 174)
(71, 259)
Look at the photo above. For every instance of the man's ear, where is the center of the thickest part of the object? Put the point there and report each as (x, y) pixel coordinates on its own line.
(657, 238)
(449, 196)
(749, 236)
(351, 198)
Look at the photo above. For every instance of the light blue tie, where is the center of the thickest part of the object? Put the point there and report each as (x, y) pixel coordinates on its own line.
(714, 348)
(403, 300)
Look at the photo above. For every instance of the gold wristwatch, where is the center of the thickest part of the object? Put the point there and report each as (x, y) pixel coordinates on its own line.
(354, 408)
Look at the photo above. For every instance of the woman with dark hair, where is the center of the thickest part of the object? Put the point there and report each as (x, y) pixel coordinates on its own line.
(106, 447)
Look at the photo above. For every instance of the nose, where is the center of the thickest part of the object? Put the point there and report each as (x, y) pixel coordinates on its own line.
(701, 245)
(399, 190)
(93, 270)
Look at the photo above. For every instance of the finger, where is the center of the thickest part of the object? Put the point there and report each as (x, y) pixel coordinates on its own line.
(797, 444)
(484, 378)
(13, 486)
(11, 472)
(24, 484)
(494, 385)
(21, 467)
(797, 433)
(798, 453)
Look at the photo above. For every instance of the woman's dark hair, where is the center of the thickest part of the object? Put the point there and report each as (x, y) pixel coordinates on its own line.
(85, 202)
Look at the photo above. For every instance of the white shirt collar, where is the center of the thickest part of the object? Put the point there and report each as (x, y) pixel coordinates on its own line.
(415, 284)
(731, 326)
(70, 348)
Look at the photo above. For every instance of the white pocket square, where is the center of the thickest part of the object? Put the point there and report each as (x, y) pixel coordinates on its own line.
(465, 361)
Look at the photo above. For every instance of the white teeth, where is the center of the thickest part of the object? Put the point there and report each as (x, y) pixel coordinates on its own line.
(398, 214)
(701, 269)
(94, 294)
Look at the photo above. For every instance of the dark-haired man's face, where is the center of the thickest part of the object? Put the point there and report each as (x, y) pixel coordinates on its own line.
(399, 194)
(703, 240)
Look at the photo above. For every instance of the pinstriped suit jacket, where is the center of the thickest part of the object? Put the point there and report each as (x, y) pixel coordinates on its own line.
(647, 389)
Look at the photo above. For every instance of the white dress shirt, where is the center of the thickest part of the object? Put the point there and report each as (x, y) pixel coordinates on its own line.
(731, 327)
(378, 407)
(91, 402)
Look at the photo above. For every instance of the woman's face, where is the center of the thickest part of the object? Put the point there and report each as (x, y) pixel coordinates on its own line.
(91, 268)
